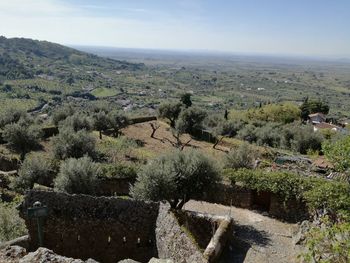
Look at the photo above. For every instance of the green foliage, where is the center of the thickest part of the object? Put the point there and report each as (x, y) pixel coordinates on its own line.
(268, 135)
(22, 136)
(118, 171)
(313, 106)
(78, 121)
(11, 225)
(316, 193)
(186, 99)
(243, 157)
(69, 143)
(77, 176)
(35, 169)
(338, 152)
(170, 111)
(304, 139)
(248, 133)
(11, 115)
(118, 120)
(101, 122)
(176, 176)
(328, 242)
(283, 113)
(62, 113)
(190, 119)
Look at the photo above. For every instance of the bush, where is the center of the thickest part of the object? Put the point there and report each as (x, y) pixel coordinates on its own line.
(328, 242)
(62, 113)
(176, 176)
(11, 116)
(35, 169)
(268, 135)
(69, 143)
(305, 139)
(190, 119)
(11, 225)
(78, 176)
(248, 133)
(78, 121)
(118, 171)
(338, 153)
(22, 137)
(243, 157)
(317, 193)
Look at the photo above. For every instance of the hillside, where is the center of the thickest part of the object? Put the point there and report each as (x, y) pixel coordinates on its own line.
(27, 58)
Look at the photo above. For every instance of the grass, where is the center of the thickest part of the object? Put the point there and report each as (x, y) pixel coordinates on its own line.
(104, 92)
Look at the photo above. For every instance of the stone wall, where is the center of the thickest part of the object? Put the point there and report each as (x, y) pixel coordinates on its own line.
(105, 229)
(290, 210)
(173, 241)
(226, 194)
(110, 229)
(114, 186)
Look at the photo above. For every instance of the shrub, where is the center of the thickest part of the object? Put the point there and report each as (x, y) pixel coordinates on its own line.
(338, 153)
(181, 175)
(190, 119)
(62, 113)
(78, 176)
(35, 169)
(118, 171)
(242, 157)
(78, 121)
(73, 144)
(248, 133)
(305, 139)
(11, 225)
(317, 193)
(11, 116)
(328, 242)
(268, 135)
(22, 137)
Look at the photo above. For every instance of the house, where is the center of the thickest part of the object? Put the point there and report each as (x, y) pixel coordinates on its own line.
(317, 117)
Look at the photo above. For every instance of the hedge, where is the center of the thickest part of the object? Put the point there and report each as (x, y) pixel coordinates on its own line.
(316, 193)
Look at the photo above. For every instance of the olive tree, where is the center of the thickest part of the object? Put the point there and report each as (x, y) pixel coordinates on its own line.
(78, 121)
(69, 143)
(22, 137)
(118, 120)
(35, 169)
(176, 177)
(77, 176)
(190, 119)
(101, 122)
(170, 111)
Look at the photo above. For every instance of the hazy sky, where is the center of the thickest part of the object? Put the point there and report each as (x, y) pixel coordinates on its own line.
(303, 27)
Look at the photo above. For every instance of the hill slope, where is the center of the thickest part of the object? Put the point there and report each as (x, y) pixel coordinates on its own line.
(26, 58)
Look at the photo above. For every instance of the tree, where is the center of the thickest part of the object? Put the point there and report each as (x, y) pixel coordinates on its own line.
(101, 122)
(62, 113)
(73, 144)
(313, 106)
(35, 169)
(118, 120)
(170, 111)
(243, 157)
(11, 116)
(304, 139)
(77, 176)
(186, 99)
(190, 119)
(22, 137)
(154, 126)
(78, 121)
(338, 153)
(176, 177)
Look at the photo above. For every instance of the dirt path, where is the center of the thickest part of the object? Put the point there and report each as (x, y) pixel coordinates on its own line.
(256, 238)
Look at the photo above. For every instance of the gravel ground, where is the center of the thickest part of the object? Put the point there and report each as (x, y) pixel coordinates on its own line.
(256, 238)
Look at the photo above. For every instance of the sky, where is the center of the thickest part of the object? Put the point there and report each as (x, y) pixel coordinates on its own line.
(289, 27)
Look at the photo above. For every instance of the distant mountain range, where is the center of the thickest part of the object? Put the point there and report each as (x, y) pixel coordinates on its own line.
(22, 58)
